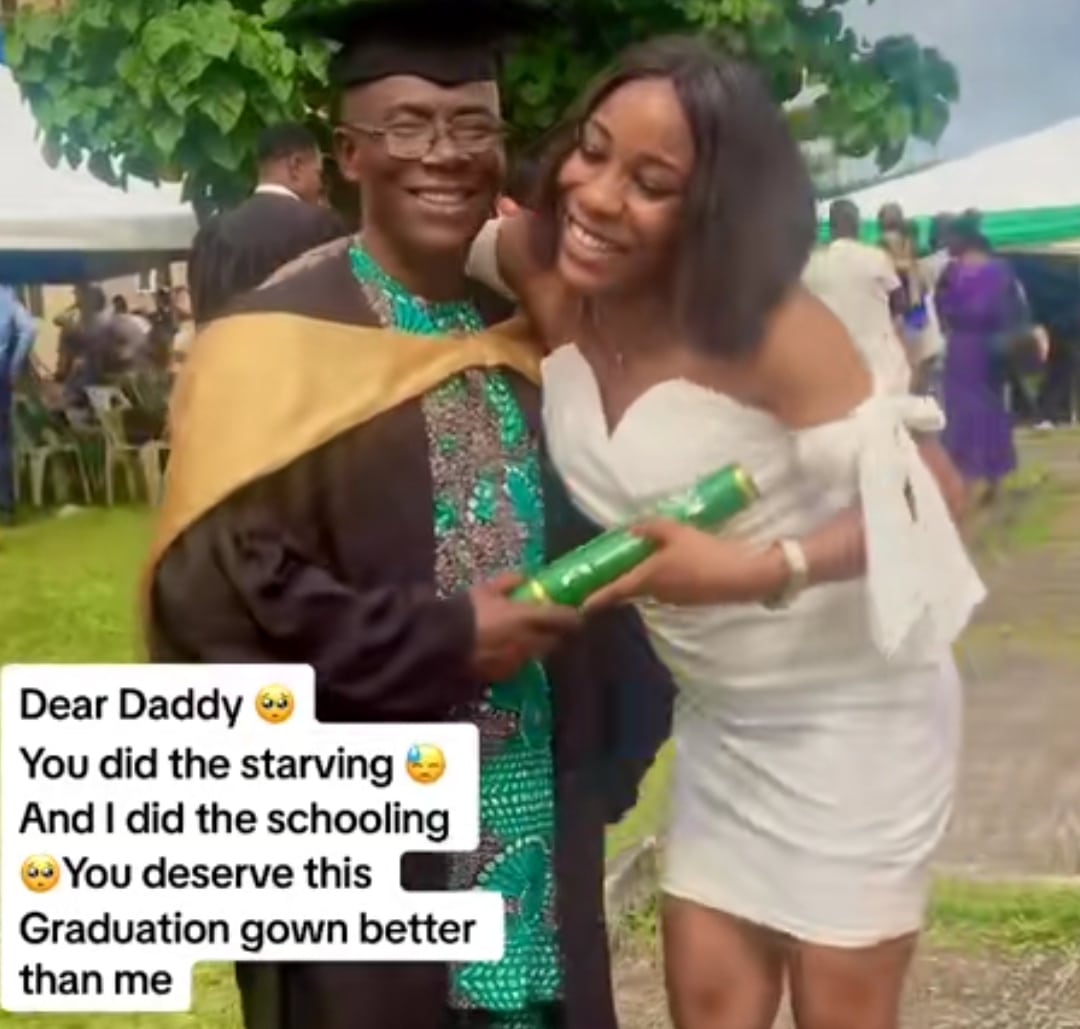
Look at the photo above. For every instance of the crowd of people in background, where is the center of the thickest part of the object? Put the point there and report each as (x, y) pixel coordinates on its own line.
(113, 341)
(105, 340)
(956, 321)
(102, 341)
(946, 318)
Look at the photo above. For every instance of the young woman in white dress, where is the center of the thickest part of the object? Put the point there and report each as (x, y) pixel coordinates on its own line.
(817, 728)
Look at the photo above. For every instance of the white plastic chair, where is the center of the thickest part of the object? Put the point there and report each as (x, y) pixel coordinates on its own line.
(109, 403)
(45, 452)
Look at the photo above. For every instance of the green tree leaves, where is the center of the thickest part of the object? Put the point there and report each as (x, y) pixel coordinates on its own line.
(179, 89)
(160, 88)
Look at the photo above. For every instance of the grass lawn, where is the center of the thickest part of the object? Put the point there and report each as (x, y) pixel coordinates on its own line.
(216, 1007)
(1028, 514)
(977, 918)
(68, 596)
(69, 588)
(1015, 919)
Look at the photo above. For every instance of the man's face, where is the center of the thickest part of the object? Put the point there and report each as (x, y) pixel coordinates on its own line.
(306, 176)
(425, 199)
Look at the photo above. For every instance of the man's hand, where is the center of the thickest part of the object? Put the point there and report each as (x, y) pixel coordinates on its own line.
(509, 632)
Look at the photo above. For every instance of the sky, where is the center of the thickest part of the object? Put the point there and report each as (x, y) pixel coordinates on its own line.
(1018, 60)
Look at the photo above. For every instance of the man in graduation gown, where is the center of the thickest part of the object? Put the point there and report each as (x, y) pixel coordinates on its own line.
(342, 511)
(238, 250)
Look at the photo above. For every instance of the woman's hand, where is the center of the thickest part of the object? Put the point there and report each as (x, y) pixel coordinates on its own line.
(507, 207)
(553, 311)
(691, 568)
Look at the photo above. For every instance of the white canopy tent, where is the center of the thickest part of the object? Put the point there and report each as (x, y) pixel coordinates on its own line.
(55, 220)
(1028, 190)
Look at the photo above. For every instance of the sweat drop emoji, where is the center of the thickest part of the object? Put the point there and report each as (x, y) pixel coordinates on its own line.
(40, 873)
(425, 763)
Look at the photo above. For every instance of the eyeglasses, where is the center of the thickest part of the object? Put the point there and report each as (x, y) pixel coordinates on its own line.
(413, 140)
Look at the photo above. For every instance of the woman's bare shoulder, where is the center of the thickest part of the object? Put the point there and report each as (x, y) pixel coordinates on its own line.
(809, 370)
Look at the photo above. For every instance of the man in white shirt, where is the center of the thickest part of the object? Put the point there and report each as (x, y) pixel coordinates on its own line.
(860, 285)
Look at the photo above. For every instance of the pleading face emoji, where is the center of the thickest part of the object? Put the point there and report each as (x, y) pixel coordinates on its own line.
(40, 873)
(275, 704)
(425, 763)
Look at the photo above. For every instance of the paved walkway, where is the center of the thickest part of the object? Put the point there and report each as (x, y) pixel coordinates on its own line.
(945, 991)
(1018, 809)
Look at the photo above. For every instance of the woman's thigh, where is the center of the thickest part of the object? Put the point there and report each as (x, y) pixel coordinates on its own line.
(722, 973)
(835, 988)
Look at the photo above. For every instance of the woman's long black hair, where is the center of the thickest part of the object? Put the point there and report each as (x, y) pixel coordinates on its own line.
(748, 220)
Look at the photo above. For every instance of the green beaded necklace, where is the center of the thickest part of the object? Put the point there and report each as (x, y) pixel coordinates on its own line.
(411, 313)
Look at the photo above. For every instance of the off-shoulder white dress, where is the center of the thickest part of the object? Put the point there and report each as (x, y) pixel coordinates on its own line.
(816, 747)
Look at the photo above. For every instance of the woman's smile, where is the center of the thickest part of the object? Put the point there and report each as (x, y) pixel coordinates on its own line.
(576, 233)
(590, 254)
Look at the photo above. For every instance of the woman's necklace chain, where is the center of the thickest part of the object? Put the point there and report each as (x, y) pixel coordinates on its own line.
(641, 359)
(610, 348)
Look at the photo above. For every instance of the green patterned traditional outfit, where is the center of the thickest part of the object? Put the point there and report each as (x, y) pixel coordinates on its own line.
(489, 517)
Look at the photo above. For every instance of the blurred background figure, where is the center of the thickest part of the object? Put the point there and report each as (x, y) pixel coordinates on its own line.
(131, 329)
(185, 332)
(17, 334)
(1053, 291)
(928, 354)
(862, 288)
(986, 319)
(238, 250)
(894, 232)
(164, 325)
(917, 321)
(939, 255)
(91, 349)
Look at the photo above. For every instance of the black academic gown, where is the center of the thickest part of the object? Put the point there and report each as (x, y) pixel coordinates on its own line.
(238, 250)
(330, 561)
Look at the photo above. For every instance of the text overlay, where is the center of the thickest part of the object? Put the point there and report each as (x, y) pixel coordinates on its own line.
(159, 816)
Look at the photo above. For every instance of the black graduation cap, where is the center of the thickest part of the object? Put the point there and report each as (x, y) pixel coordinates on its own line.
(449, 42)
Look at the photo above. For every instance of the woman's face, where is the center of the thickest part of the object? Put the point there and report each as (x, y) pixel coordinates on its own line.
(623, 188)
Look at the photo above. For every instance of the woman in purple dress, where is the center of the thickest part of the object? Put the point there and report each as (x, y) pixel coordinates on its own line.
(983, 312)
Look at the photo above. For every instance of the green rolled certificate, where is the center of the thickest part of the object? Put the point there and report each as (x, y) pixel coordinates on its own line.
(572, 579)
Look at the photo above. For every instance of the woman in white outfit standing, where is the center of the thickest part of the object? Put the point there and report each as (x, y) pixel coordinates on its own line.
(817, 729)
